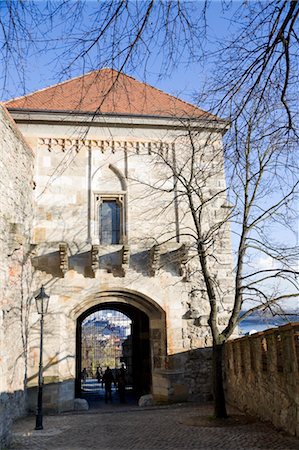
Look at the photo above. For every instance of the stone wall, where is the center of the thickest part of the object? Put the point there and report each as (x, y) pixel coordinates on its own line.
(16, 168)
(262, 375)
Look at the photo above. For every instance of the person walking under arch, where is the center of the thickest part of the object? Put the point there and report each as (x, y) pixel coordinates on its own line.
(121, 384)
(84, 374)
(99, 374)
(108, 379)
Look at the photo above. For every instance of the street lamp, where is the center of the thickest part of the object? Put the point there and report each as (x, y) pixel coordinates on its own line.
(42, 302)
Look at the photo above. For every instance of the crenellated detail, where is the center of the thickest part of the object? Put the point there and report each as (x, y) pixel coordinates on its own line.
(155, 253)
(64, 259)
(94, 253)
(139, 147)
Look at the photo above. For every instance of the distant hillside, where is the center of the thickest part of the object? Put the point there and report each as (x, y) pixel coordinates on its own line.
(261, 321)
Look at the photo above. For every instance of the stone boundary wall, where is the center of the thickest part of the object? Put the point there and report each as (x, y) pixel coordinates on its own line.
(262, 375)
(16, 188)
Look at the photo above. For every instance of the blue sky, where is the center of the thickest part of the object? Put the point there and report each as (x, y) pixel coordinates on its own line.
(44, 69)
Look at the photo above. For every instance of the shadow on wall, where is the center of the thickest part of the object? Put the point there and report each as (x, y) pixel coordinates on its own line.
(187, 377)
(12, 406)
(58, 396)
(49, 263)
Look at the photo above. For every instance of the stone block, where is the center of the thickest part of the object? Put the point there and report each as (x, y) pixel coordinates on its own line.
(80, 404)
(39, 234)
(146, 400)
(180, 393)
(201, 321)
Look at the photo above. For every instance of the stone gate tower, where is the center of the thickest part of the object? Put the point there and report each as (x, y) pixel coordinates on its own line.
(108, 230)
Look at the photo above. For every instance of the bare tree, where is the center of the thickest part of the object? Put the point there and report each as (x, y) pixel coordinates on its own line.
(258, 64)
(260, 197)
(80, 36)
(156, 36)
(255, 86)
(255, 81)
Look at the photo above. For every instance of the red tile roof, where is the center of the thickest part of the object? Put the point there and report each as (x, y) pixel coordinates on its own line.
(106, 91)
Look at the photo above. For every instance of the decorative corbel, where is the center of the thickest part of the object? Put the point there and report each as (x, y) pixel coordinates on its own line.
(183, 259)
(155, 253)
(64, 259)
(95, 264)
(125, 257)
(32, 250)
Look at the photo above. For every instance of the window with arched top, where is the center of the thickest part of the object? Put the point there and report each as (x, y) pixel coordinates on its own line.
(107, 207)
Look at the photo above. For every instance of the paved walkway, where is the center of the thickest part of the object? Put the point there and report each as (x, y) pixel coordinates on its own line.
(176, 427)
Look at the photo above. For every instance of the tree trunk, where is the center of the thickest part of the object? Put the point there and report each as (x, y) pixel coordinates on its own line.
(219, 398)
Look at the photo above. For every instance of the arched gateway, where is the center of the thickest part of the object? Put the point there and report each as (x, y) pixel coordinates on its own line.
(147, 337)
(62, 343)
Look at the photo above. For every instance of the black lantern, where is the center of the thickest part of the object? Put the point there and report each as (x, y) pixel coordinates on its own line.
(42, 303)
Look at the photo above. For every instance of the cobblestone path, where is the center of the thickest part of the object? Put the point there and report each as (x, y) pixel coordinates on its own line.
(174, 427)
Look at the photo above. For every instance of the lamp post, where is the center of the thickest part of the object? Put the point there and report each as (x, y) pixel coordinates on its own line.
(42, 302)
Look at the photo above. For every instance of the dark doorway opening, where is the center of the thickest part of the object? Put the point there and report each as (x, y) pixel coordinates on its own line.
(113, 334)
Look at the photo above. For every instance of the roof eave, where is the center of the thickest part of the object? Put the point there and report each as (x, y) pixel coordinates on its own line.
(116, 119)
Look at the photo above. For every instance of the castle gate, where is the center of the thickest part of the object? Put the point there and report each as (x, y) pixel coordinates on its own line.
(113, 334)
(135, 327)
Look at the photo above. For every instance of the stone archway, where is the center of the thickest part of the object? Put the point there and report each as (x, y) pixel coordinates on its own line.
(148, 334)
